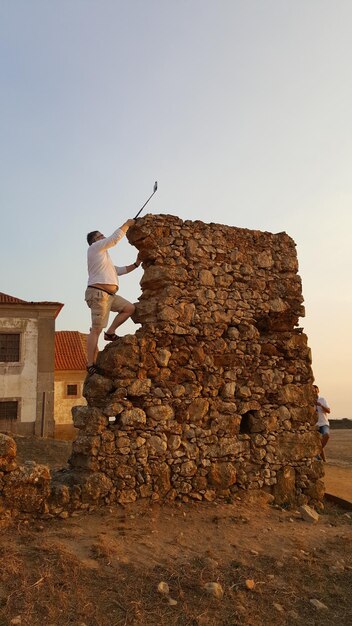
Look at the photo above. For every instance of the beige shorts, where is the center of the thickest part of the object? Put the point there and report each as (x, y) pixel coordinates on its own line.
(101, 303)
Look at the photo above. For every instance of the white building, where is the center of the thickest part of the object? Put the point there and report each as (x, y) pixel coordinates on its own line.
(27, 332)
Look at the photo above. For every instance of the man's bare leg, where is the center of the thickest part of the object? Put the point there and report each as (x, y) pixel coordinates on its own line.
(120, 318)
(92, 345)
(324, 440)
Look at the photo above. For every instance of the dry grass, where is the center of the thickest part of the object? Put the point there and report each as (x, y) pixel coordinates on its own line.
(46, 584)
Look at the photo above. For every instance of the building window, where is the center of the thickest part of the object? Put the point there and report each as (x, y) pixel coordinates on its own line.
(72, 390)
(9, 347)
(8, 409)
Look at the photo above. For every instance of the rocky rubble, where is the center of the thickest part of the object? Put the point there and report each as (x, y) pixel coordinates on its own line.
(213, 394)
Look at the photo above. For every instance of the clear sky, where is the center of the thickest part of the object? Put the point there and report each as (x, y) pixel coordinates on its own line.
(241, 109)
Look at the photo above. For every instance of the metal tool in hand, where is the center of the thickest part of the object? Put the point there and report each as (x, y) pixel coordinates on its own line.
(154, 190)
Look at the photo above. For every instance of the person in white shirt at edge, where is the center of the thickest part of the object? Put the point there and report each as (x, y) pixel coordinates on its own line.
(101, 293)
(323, 422)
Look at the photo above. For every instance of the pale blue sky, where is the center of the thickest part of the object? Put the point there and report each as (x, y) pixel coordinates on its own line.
(240, 109)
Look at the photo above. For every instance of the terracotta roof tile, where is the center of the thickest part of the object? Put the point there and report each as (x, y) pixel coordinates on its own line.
(5, 298)
(70, 350)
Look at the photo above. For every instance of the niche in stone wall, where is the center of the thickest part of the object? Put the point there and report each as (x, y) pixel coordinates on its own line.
(245, 423)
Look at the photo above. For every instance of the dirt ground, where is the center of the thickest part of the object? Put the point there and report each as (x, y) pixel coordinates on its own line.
(51, 452)
(339, 448)
(103, 568)
(338, 469)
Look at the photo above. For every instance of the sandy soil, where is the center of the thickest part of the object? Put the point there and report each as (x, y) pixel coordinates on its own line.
(338, 469)
(103, 568)
(339, 448)
(338, 482)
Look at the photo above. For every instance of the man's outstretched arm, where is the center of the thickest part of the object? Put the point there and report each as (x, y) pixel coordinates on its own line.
(109, 242)
(128, 268)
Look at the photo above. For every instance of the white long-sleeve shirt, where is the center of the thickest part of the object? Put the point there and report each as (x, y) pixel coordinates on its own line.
(100, 266)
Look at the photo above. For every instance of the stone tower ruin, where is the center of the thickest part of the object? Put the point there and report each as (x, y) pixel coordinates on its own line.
(213, 393)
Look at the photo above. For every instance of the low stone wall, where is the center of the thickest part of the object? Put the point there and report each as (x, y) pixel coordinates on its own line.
(32, 490)
(23, 488)
(213, 394)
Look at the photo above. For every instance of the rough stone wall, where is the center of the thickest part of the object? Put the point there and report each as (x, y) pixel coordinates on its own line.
(210, 398)
(214, 393)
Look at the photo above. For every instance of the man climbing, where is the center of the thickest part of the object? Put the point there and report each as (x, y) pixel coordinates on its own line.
(101, 293)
